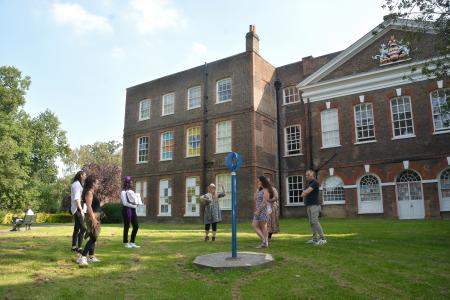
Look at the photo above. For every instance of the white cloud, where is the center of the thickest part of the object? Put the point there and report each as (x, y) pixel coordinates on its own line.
(199, 48)
(81, 20)
(117, 52)
(150, 15)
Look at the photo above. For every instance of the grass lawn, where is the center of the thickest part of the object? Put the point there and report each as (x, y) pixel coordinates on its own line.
(364, 259)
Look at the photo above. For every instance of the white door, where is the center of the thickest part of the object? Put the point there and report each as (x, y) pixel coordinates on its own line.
(369, 195)
(444, 190)
(409, 196)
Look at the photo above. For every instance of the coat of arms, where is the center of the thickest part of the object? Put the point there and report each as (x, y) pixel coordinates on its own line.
(393, 52)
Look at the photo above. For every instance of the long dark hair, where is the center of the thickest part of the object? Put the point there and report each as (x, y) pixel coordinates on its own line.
(126, 183)
(266, 184)
(78, 176)
(88, 185)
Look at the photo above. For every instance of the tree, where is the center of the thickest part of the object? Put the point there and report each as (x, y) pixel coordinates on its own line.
(15, 146)
(109, 177)
(48, 143)
(433, 15)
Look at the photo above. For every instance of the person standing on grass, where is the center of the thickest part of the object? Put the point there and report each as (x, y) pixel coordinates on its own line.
(212, 214)
(261, 214)
(273, 225)
(77, 210)
(93, 220)
(129, 212)
(311, 196)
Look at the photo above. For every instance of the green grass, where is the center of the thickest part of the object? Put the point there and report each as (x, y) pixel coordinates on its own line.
(364, 259)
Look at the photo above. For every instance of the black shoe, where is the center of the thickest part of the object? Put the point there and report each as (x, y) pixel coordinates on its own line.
(79, 250)
(213, 238)
(206, 238)
(74, 249)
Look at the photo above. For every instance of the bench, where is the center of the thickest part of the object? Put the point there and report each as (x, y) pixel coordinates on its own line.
(27, 221)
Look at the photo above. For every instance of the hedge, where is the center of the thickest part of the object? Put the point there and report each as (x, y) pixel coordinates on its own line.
(112, 213)
(7, 217)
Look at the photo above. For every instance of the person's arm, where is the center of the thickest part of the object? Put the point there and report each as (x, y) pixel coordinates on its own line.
(131, 200)
(78, 199)
(221, 195)
(306, 192)
(207, 198)
(88, 198)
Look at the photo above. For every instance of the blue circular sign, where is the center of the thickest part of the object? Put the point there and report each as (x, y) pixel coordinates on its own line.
(233, 161)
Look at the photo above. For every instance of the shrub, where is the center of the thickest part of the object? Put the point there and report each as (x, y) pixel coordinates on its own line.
(6, 217)
(113, 213)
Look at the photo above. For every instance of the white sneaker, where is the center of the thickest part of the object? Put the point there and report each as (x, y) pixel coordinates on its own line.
(78, 260)
(311, 242)
(133, 245)
(83, 262)
(128, 245)
(93, 259)
(321, 242)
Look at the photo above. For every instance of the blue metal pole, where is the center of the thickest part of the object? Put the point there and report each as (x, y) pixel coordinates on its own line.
(233, 214)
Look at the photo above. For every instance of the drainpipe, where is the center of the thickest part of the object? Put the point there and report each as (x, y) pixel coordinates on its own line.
(277, 84)
(205, 124)
(307, 112)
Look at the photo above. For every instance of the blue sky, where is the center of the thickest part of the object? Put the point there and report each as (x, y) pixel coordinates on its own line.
(82, 55)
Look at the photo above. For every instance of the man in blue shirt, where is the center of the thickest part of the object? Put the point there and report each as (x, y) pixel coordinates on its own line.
(311, 196)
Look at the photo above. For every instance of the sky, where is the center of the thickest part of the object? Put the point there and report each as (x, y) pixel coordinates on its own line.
(82, 55)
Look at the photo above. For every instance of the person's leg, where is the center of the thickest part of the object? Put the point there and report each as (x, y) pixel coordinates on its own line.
(317, 227)
(255, 225)
(76, 230)
(309, 210)
(207, 226)
(135, 223)
(82, 230)
(126, 224)
(214, 230)
(263, 227)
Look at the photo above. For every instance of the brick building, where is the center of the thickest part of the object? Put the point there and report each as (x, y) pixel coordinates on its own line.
(379, 141)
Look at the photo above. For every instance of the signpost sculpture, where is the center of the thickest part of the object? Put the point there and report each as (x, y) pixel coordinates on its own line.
(233, 162)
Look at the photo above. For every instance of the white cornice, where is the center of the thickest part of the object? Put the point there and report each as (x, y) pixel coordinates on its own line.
(356, 84)
(358, 46)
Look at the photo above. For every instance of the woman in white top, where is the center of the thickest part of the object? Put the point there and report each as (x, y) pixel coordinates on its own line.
(129, 205)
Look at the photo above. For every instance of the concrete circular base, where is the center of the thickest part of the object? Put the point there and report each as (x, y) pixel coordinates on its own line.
(223, 260)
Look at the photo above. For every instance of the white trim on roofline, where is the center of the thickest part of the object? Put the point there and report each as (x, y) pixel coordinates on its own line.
(355, 84)
(358, 46)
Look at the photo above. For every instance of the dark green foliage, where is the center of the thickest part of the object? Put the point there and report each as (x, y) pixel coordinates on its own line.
(113, 213)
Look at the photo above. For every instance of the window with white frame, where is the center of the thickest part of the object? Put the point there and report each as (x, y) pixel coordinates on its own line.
(194, 97)
(294, 185)
(333, 191)
(441, 117)
(223, 90)
(165, 197)
(369, 188)
(142, 155)
(290, 95)
(364, 123)
(192, 196)
(292, 140)
(166, 145)
(223, 137)
(144, 109)
(193, 142)
(330, 128)
(402, 119)
(141, 188)
(168, 106)
(445, 185)
(225, 180)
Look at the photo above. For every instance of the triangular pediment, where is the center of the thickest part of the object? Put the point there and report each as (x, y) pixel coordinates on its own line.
(368, 53)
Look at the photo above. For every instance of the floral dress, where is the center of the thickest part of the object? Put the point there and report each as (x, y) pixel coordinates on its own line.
(273, 225)
(212, 212)
(263, 215)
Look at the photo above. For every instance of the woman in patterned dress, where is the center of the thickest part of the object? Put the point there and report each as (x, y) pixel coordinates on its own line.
(273, 225)
(212, 214)
(261, 214)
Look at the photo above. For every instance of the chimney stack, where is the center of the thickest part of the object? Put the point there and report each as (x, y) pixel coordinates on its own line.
(252, 40)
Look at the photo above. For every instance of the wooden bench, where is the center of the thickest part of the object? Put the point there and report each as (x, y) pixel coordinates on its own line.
(27, 221)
